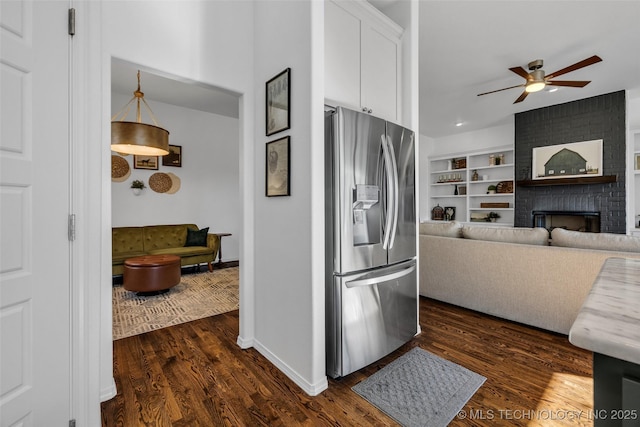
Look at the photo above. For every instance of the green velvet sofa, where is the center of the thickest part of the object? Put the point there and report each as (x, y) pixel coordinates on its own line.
(129, 242)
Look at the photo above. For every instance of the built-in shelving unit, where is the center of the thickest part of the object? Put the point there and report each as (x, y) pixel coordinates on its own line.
(635, 184)
(461, 181)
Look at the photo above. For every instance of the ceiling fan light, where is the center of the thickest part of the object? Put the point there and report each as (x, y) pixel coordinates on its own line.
(534, 86)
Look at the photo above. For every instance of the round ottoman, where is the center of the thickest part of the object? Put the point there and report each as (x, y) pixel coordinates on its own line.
(151, 273)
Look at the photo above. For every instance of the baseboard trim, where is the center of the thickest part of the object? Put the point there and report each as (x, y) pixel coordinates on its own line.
(244, 343)
(307, 387)
(109, 392)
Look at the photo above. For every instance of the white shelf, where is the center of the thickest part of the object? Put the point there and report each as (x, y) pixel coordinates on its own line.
(488, 181)
(492, 195)
(490, 209)
(448, 171)
(475, 190)
(448, 183)
(484, 168)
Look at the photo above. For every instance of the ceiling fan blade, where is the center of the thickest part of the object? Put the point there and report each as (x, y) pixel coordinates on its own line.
(584, 63)
(520, 71)
(500, 90)
(521, 97)
(571, 83)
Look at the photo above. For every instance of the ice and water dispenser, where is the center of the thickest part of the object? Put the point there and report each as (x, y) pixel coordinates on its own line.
(366, 215)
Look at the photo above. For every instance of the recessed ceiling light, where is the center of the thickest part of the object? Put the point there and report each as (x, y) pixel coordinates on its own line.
(458, 124)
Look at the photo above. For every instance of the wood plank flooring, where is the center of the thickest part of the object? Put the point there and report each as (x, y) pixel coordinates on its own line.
(194, 374)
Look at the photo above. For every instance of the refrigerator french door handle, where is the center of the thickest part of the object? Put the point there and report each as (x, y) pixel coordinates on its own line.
(388, 166)
(396, 202)
(380, 279)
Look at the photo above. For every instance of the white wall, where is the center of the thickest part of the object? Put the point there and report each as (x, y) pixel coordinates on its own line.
(289, 250)
(468, 142)
(208, 42)
(209, 194)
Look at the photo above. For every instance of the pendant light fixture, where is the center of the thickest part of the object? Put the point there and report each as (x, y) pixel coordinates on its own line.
(137, 137)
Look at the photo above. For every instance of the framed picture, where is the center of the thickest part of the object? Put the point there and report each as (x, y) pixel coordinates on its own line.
(174, 158)
(637, 161)
(278, 98)
(577, 159)
(277, 165)
(449, 213)
(145, 162)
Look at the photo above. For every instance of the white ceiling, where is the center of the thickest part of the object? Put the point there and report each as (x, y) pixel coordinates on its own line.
(466, 48)
(161, 87)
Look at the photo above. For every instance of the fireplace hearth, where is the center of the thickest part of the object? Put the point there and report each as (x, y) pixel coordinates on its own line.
(588, 222)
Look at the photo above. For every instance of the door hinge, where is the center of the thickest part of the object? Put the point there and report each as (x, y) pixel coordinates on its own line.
(72, 227)
(72, 22)
(72, 423)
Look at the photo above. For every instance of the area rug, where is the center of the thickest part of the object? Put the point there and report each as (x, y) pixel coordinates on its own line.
(196, 296)
(420, 389)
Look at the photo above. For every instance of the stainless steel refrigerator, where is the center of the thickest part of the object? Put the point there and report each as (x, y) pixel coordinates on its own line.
(371, 280)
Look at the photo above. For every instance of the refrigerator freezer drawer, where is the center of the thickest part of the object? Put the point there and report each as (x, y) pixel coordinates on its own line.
(372, 314)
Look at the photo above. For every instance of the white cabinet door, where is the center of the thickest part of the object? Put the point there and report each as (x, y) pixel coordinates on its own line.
(342, 56)
(362, 58)
(379, 82)
(35, 321)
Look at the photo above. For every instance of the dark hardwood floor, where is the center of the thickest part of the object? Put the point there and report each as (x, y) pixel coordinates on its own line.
(194, 374)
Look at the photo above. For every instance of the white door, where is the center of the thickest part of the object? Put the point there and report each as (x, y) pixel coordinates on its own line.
(34, 205)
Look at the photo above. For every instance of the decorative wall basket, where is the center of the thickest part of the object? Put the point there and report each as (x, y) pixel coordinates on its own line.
(161, 182)
(120, 169)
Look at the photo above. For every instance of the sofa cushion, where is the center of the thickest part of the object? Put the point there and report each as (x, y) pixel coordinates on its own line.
(184, 251)
(125, 240)
(121, 257)
(526, 236)
(197, 237)
(165, 236)
(597, 241)
(443, 229)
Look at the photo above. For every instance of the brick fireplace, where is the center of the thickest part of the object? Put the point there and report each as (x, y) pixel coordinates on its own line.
(588, 222)
(600, 117)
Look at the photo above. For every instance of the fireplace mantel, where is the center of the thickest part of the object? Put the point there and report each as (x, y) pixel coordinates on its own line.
(567, 181)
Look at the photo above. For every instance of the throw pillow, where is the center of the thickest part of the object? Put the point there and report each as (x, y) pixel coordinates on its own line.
(197, 237)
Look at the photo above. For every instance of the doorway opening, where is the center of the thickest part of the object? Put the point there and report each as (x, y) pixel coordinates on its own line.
(203, 122)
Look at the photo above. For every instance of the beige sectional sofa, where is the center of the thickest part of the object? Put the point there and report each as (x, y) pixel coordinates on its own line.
(514, 273)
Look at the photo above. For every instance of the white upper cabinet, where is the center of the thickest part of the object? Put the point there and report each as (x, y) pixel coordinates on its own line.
(362, 59)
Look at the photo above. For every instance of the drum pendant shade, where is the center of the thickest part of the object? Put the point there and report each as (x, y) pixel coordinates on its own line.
(139, 138)
(136, 137)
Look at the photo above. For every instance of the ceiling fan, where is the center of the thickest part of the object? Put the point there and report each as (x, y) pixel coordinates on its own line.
(536, 80)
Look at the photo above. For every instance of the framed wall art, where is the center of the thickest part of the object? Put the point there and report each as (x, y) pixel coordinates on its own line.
(145, 162)
(278, 97)
(174, 158)
(277, 166)
(576, 159)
